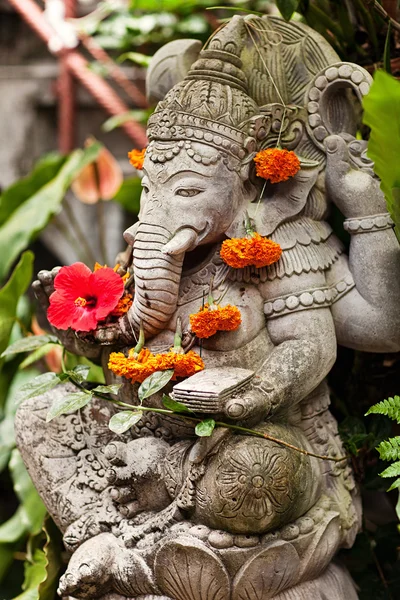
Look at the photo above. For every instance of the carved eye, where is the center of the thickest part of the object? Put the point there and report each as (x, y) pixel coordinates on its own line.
(188, 193)
(145, 188)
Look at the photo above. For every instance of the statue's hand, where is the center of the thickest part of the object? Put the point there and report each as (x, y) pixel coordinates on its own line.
(354, 189)
(250, 403)
(44, 286)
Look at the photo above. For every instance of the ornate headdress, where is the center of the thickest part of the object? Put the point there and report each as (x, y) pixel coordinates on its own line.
(211, 105)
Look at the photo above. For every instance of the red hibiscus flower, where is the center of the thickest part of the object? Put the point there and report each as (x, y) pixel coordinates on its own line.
(81, 298)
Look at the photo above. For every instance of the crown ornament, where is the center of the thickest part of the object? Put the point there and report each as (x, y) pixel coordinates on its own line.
(211, 106)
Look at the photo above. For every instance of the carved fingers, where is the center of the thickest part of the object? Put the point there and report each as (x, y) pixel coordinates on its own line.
(44, 286)
(350, 181)
(107, 335)
(251, 404)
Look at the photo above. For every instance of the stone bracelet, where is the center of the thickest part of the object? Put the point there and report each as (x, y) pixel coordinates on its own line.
(369, 223)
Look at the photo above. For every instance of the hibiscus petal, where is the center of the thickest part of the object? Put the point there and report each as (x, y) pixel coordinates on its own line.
(60, 311)
(74, 281)
(108, 288)
(83, 319)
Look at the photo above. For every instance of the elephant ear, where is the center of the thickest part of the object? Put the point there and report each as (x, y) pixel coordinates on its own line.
(278, 203)
(329, 102)
(169, 65)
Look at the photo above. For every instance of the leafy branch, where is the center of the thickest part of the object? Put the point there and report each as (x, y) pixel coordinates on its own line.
(130, 414)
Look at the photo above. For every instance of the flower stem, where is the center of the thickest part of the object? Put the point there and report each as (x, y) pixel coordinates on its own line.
(254, 432)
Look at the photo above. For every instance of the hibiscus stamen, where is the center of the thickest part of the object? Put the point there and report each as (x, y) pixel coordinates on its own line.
(89, 302)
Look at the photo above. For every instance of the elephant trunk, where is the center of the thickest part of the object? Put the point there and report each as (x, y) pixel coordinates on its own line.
(157, 278)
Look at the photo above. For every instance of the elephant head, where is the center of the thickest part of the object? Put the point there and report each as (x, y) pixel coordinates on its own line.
(199, 181)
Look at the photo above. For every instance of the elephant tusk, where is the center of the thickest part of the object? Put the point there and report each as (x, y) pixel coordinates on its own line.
(130, 234)
(183, 240)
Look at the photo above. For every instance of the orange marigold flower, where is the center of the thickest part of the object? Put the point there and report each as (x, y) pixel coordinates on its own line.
(188, 364)
(275, 164)
(135, 368)
(136, 158)
(209, 320)
(256, 250)
(123, 305)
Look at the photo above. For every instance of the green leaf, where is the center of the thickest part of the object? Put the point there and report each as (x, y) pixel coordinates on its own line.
(205, 428)
(13, 529)
(124, 420)
(395, 485)
(140, 59)
(129, 194)
(30, 218)
(44, 170)
(389, 407)
(107, 389)
(37, 386)
(9, 296)
(382, 115)
(37, 355)
(392, 470)
(33, 507)
(386, 53)
(287, 8)
(172, 404)
(7, 435)
(79, 373)
(30, 343)
(390, 449)
(140, 116)
(69, 403)
(154, 383)
(42, 566)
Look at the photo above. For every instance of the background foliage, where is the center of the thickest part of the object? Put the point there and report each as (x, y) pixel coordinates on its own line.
(31, 554)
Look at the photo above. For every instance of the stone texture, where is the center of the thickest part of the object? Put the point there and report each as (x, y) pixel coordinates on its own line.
(157, 512)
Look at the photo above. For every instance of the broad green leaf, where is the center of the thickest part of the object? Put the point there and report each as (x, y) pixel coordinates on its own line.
(172, 404)
(107, 389)
(154, 383)
(7, 435)
(287, 8)
(37, 355)
(124, 420)
(9, 296)
(28, 220)
(79, 373)
(6, 559)
(69, 403)
(205, 428)
(42, 565)
(44, 171)
(30, 343)
(382, 115)
(37, 386)
(13, 529)
(140, 116)
(33, 507)
(129, 193)
(140, 59)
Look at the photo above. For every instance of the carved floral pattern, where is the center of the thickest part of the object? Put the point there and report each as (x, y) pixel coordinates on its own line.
(254, 482)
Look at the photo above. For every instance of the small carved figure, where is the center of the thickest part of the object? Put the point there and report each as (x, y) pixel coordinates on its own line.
(159, 513)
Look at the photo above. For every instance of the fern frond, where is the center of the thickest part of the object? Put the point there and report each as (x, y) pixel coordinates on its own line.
(389, 407)
(395, 485)
(390, 449)
(393, 470)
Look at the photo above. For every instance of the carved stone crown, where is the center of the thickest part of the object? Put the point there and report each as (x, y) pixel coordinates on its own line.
(211, 105)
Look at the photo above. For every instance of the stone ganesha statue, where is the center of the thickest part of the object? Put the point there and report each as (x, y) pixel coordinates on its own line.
(157, 512)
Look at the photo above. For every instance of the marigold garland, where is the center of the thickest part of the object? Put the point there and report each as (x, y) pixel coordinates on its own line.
(137, 367)
(123, 306)
(211, 319)
(255, 250)
(276, 164)
(136, 158)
